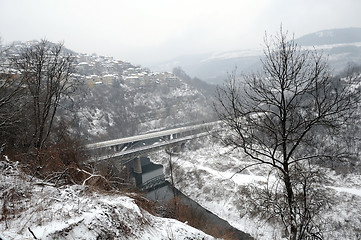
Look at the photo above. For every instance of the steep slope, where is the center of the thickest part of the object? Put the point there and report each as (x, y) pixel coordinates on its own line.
(121, 99)
(209, 174)
(32, 209)
(124, 99)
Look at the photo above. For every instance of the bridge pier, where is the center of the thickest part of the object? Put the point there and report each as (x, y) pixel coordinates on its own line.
(137, 165)
(178, 147)
(137, 169)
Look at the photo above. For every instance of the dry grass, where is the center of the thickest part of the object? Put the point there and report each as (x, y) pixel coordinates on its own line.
(194, 218)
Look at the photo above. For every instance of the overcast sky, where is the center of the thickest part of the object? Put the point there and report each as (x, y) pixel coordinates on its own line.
(147, 31)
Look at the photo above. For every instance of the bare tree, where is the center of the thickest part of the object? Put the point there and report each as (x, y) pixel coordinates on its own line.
(277, 117)
(9, 83)
(46, 70)
(171, 153)
(11, 92)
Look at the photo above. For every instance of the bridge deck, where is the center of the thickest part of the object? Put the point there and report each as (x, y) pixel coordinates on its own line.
(127, 155)
(147, 136)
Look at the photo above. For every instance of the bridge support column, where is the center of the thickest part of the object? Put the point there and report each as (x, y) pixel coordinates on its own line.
(137, 169)
(178, 147)
(137, 165)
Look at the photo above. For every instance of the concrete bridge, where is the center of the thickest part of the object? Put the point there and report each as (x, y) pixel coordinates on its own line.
(153, 183)
(125, 150)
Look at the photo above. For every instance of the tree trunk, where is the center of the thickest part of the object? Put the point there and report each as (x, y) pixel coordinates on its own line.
(290, 200)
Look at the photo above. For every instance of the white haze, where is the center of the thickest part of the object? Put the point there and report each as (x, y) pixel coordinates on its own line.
(146, 32)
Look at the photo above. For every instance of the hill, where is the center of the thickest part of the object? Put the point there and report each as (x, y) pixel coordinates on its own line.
(341, 46)
(124, 99)
(331, 36)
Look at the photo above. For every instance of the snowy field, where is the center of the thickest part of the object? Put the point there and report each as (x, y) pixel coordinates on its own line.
(31, 209)
(208, 176)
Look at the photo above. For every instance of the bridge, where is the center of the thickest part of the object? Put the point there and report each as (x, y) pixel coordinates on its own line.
(154, 183)
(131, 148)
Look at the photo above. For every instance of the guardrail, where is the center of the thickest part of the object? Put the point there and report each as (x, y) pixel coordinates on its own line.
(153, 183)
(128, 155)
(148, 136)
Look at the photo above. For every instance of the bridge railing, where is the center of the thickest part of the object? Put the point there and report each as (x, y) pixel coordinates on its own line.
(128, 155)
(153, 183)
(181, 131)
(126, 149)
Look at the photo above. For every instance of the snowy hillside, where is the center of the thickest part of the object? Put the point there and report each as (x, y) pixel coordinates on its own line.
(121, 99)
(208, 174)
(124, 99)
(331, 36)
(31, 209)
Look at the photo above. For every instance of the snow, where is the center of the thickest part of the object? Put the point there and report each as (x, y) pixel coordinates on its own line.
(330, 46)
(234, 54)
(77, 212)
(354, 191)
(205, 175)
(94, 119)
(208, 175)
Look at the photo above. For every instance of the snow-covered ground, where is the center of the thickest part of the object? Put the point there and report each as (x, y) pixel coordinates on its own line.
(30, 209)
(209, 176)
